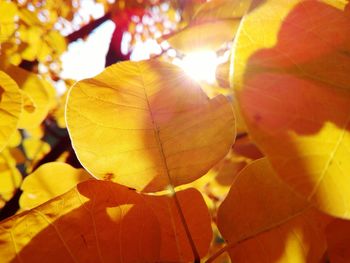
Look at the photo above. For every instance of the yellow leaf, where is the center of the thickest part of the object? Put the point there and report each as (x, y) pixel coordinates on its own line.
(36, 90)
(10, 177)
(10, 108)
(30, 18)
(102, 221)
(215, 23)
(221, 9)
(35, 148)
(36, 132)
(147, 125)
(56, 42)
(28, 103)
(291, 74)
(59, 111)
(15, 139)
(8, 13)
(204, 36)
(48, 181)
(265, 221)
(32, 38)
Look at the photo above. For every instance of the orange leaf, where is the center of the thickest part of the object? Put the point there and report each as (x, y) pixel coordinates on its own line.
(265, 221)
(291, 74)
(338, 239)
(102, 221)
(175, 247)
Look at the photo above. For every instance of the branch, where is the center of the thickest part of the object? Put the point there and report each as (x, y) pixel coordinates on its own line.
(11, 207)
(87, 29)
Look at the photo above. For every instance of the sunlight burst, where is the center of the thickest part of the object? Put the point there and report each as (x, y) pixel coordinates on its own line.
(200, 66)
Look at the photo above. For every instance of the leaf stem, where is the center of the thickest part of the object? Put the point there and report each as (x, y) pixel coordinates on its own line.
(173, 192)
(187, 230)
(218, 253)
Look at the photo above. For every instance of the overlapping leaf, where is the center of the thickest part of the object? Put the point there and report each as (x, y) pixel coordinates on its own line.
(37, 96)
(10, 108)
(215, 23)
(147, 125)
(265, 221)
(48, 181)
(175, 246)
(8, 13)
(102, 221)
(10, 177)
(291, 74)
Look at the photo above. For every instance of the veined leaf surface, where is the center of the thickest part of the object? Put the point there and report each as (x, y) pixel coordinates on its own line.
(10, 108)
(147, 125)
(215, 23)
(48, 181)
(100, 221)
(263, 220)
(291, 76)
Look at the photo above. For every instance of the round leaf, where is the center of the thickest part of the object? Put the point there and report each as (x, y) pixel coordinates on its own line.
(10, 108)
(291, 75)
(147, 125)
(263, 220)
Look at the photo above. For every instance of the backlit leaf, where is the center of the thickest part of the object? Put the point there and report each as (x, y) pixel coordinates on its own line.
(265, 221)
(147, 125)
(35, 149)
(8, 12)
(291, 74)
(10, 108)
(37, 93)
(175, 247)
(48, 181)
(215, 23)
(15, 139)
(10, 177)
(94, 222)
(102, 221)
(204, 36)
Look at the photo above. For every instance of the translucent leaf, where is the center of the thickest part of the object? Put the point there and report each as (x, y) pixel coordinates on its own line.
(56, 42)
(37, 93)
(8, 13)
(32, 37)
(34, 148)
(147, 125)
(102, 221)
(204, 36)
(265, 221)
(15, 139)
(48, 181)
(291, 74)
(10, 177)
(175, 246)
(10, 108)
(214, 23)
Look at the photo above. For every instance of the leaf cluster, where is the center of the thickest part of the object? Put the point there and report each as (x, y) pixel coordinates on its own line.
(141, 163)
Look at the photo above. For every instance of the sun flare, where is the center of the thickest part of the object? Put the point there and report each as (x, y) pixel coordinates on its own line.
(200, 65)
